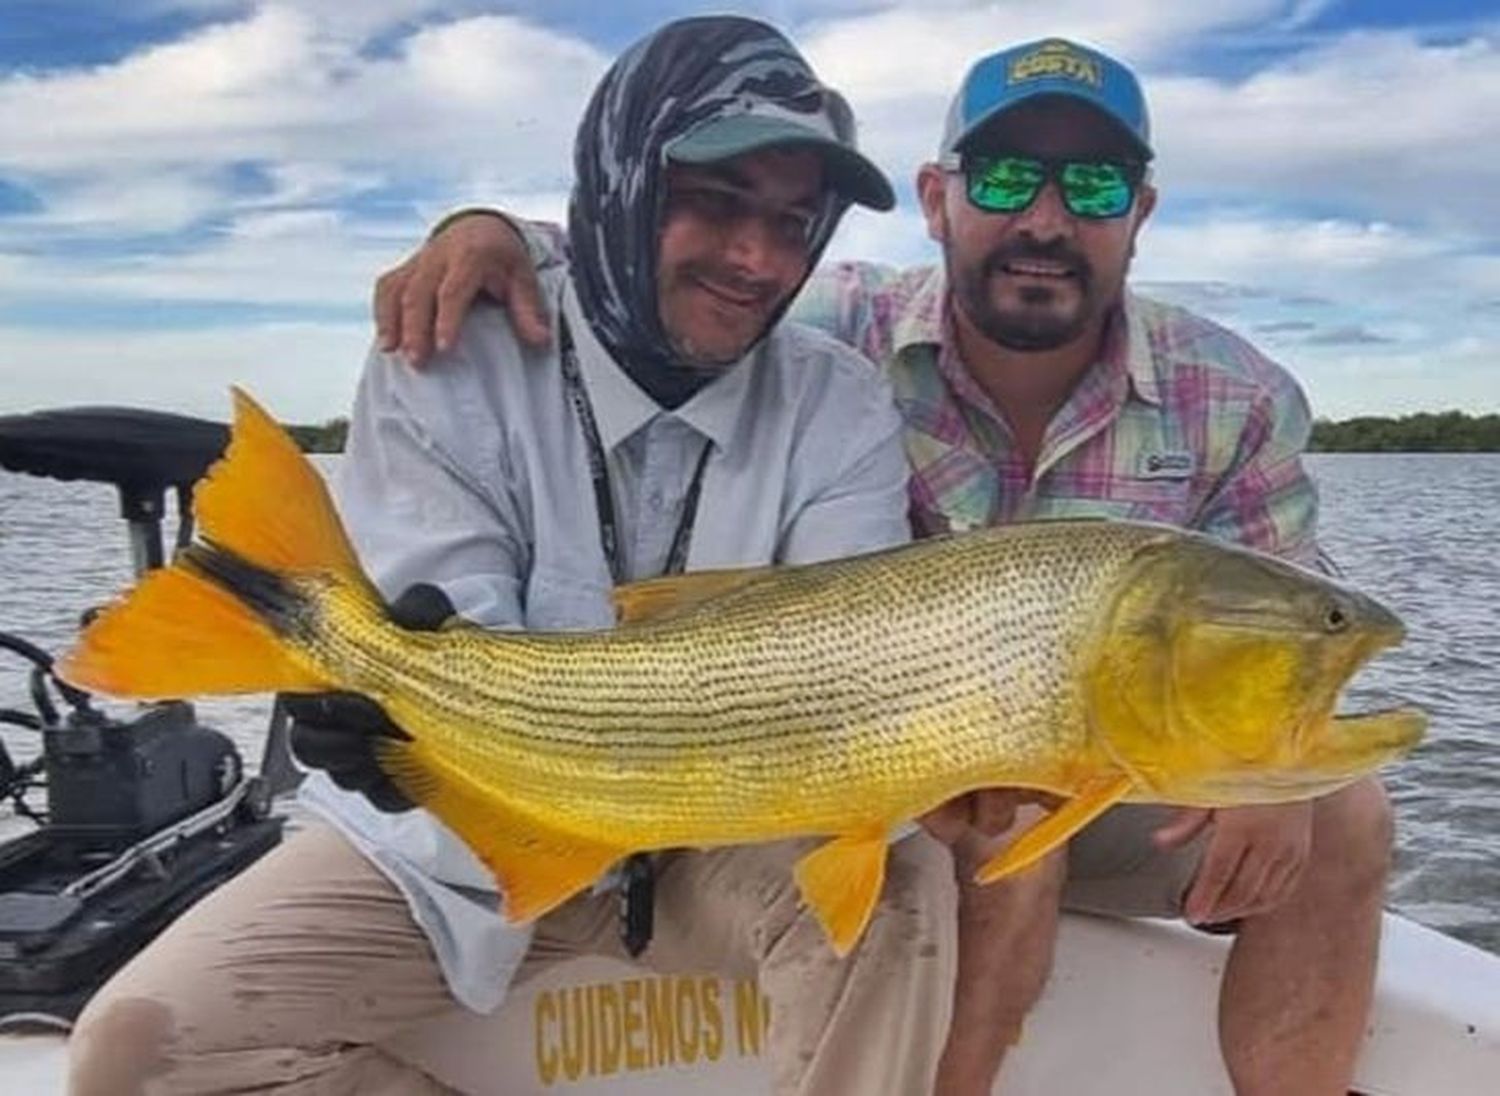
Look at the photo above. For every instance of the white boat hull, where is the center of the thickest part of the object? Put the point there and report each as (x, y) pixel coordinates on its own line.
(1129, 1010)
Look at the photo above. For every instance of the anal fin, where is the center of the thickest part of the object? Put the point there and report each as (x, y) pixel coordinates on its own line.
(537, 867)
(1092, 800)
(841, 881)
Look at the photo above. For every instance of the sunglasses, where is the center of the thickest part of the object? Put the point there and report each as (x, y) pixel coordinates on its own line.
(1094, 189)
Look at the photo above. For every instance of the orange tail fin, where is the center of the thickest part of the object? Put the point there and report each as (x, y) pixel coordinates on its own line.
(225, 616)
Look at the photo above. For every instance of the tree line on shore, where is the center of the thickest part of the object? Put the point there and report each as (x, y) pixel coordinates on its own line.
(1424, 432)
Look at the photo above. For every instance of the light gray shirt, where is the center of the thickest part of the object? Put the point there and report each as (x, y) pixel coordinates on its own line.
(474, 475)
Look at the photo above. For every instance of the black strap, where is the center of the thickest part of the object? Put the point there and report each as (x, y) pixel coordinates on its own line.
(604, 499)
(637, 898)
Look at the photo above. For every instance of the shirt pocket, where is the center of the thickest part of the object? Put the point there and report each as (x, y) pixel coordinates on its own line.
(1168, 501)
(567, 601)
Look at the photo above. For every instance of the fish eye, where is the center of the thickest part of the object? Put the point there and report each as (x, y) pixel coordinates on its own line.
(1335, 617)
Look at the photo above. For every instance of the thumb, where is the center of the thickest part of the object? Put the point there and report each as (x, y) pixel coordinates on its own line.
(1186, 825)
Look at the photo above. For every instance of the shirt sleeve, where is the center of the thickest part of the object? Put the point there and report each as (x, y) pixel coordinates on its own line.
(417, 498)
(848, 301)
(1266, 500)
(862, 505)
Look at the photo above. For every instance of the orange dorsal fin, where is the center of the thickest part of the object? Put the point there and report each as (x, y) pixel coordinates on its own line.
(654, 598)
(1092, 800)
(841, 880)
(536, 866)
(266, 503)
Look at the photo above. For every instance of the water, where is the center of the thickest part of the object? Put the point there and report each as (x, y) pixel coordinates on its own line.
(1420, 531)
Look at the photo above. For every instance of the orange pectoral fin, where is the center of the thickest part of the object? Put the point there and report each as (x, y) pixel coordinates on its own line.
(841, 881)
(537, 867)
(1091, 801)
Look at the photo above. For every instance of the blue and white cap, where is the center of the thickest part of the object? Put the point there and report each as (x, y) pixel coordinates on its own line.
(1052, 66)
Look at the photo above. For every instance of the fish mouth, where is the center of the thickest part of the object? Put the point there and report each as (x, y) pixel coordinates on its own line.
(1400, 727)
(1338, 752)
(1354, 743)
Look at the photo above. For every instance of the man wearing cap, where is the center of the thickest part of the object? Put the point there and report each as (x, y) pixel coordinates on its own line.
(670, 423)
(1033, 384)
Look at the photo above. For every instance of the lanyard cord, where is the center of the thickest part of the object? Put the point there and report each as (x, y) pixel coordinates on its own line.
(637, 899)
(604, 501)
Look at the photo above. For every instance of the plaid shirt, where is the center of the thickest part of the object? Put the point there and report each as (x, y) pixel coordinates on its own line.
(1179, 421)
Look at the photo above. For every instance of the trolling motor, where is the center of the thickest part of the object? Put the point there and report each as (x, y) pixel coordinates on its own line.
(143, 815)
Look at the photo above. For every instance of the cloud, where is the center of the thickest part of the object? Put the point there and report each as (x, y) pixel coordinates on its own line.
(1320, 189)
(1348, 335)
(1380, 124)
(1286, 327)
(303, 372)
(278, 88)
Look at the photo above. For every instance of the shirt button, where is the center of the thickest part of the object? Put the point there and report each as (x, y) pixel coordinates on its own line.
(654, 500)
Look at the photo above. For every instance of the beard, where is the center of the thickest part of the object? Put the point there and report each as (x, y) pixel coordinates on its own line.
(724, 346)
(1040, 322)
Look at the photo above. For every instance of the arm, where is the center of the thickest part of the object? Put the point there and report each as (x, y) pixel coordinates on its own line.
(421, 303)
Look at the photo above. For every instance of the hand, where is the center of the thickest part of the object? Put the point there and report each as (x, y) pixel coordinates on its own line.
(426, 298)
(338, 732)
(1253, 860)
(969, 824)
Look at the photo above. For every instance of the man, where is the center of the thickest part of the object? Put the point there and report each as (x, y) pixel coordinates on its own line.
(1033, 384)
(671, 423)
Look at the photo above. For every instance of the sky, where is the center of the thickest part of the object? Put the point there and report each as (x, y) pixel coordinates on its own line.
(195, 193)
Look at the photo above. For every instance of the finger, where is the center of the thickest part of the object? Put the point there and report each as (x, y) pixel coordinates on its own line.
(1185, 825)
(322, 748)
(388, 289)
(1247, 892)
(949, 822)
(1215, 875)
(994, 811)
(527, 313)
(418, 300)
(455, 294)
(1284, 879)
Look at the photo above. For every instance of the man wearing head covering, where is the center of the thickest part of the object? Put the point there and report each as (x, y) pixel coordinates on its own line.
(1033, 384)
(672, 423)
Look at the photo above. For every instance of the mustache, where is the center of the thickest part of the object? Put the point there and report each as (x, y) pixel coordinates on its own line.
(731, 281)
(1022, 248)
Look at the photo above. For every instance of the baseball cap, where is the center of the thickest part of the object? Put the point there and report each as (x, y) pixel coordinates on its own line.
(821, 121)
(1051, 66)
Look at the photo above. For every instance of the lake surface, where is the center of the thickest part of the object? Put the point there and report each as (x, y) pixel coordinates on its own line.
(1422, 532)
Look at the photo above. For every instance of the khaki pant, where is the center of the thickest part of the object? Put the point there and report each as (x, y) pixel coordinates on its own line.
(290, 977)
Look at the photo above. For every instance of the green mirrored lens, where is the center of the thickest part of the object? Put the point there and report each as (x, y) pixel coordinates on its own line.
(1006, 185)
(1090, 188)
(1096, 189)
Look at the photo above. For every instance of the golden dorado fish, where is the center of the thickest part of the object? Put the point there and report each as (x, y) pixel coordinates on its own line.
(1099, 661)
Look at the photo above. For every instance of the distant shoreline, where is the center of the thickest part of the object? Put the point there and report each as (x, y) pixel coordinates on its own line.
(1424, 432)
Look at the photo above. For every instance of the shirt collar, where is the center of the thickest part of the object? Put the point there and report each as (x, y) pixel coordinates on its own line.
(620, 406)
(1127, 339)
